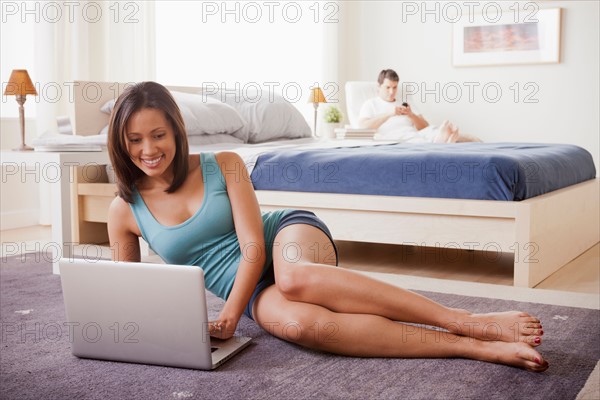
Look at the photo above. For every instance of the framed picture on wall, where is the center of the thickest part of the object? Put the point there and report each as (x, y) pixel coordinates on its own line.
(508, 37)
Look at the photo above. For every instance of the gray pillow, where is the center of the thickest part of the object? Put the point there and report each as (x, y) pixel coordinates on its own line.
(202, 115)
(268, 116)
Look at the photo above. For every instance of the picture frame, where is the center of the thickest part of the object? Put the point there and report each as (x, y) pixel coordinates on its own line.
(534, 38)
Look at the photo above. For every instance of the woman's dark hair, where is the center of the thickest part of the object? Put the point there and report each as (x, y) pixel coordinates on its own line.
(388, 74)
(135, 98)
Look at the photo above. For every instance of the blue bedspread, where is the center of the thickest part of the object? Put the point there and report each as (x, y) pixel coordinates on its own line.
(484, 171)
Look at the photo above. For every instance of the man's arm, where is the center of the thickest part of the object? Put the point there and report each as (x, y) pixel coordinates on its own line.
(374, 123)
(417, 120)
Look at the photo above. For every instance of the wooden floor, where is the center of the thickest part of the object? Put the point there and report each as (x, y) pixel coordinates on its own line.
(581, 275)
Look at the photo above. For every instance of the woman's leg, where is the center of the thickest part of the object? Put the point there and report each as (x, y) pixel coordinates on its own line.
(365, 335)
(300, 255)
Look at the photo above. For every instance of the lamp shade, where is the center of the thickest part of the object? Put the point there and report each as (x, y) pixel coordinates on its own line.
(316, 96)
(19, 83)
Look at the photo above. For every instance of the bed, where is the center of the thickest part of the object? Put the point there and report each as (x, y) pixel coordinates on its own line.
(544, 232)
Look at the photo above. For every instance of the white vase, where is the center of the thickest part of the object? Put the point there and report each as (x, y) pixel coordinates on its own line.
(329, 130)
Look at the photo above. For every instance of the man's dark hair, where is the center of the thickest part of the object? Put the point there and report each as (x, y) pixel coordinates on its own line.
(388, 74)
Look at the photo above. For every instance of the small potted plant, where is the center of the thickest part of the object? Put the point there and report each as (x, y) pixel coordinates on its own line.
(333, 117)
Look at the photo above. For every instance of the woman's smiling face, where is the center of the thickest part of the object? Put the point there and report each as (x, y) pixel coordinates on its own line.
(151, 142)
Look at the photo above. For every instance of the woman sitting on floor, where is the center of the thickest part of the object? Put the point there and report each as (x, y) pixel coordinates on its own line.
(278, 268)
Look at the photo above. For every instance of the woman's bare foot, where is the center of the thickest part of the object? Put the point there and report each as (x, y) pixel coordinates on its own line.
(516, 354)
(509, 326)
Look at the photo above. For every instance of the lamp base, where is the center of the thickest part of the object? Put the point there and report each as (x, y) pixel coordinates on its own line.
(23, 147)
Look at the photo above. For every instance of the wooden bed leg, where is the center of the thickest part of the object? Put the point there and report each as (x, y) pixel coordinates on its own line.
(566, 226)
(88, 221)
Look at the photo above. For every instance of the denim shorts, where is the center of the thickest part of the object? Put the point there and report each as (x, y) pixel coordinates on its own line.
(291, 218)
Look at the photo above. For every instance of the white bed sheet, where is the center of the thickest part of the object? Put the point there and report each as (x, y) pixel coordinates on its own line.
(251, 152)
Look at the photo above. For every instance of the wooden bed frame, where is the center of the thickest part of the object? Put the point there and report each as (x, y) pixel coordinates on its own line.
(544, 233)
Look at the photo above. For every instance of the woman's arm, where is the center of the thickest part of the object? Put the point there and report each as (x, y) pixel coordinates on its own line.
(124, 243)
(249, 229)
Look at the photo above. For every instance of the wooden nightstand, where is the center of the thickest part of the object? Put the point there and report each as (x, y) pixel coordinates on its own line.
(60, 170)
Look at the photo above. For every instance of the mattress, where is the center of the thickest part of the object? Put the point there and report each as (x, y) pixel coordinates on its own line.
(481, 171)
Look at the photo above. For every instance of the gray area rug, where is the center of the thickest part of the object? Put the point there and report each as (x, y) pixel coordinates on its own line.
(36, 360)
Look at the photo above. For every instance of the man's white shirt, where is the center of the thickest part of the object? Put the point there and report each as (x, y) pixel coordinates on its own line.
(398, 127)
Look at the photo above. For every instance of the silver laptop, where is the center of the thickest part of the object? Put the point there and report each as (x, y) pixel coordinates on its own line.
(142, 313)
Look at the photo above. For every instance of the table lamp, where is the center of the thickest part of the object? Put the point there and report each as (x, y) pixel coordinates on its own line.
(316, 97)
(20, 85)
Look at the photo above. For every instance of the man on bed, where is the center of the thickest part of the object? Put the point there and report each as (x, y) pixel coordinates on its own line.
(396, 120)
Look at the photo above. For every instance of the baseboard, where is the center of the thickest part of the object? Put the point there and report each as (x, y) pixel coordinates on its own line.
(19, 219)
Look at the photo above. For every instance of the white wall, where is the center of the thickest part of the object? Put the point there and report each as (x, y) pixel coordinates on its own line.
(371, 36)
(19, 194)
(567, 111)
(111, 49)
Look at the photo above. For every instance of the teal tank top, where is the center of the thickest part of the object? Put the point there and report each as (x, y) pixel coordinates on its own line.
(207, 239)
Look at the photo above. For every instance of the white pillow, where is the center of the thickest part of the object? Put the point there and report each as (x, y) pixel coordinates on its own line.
(202, 115)
(268, 116)
(197, 140)
(201, 139)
